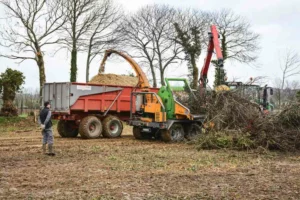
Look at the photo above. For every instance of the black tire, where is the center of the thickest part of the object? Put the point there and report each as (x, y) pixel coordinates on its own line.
(174, 134)
(112, 127)
(137, 133)
(156, 134)
(192, 131)
(90, 127)
(66, 129)
(61, 128)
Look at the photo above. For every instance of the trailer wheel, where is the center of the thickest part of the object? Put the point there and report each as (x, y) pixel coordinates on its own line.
(66, 129)
(174, 134)
(61, 128)
(112, 127)
(192, 131)
(90, 127)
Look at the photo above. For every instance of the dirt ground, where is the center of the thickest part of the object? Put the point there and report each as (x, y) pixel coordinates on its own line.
(125, 168)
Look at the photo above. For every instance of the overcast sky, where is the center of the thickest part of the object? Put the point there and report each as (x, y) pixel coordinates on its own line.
(277, 21)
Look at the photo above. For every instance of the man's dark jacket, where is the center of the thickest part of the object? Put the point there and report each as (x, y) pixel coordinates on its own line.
(43, 115)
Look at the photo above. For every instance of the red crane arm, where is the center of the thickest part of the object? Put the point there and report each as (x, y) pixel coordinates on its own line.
(213, 44)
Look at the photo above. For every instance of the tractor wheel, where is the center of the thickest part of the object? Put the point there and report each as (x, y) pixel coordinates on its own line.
(112, 127)
(192, 131)
(174, 134)
(137, 133)
(156, 134)
(90, 127)
(66, 129)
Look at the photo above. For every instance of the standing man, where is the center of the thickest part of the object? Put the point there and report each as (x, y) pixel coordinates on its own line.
(46, 125)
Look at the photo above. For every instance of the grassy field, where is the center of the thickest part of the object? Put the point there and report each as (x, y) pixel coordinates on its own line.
(125, 168)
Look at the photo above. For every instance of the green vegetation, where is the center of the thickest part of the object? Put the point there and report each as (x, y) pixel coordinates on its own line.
(191, 44)
(5, 121)
(220, 75)
(10, 83)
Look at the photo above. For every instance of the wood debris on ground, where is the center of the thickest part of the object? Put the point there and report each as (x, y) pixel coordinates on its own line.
(237, 123)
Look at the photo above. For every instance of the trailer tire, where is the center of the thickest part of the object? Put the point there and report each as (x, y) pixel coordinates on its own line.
(90, 127)
(65, 129)
(112, 127)
(61, 128)
(192, 131)
(174, 134)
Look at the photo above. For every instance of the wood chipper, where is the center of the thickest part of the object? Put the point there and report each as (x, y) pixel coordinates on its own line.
(162, 114)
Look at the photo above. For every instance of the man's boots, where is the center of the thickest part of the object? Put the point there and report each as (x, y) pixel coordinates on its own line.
(50, 149)
(44, 148)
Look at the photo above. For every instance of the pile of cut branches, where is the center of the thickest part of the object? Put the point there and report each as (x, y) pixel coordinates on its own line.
(236, 123)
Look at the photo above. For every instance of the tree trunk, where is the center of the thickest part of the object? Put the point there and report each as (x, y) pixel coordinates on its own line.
(195, 72)
(22, 104)
(281, 89)
(162, 72)
(87, 73)
(73, 74)
(88, 60)
(279, 98)
(162, 78)
(161, 68)
(8, 108)
(41, 65)
(153, 75)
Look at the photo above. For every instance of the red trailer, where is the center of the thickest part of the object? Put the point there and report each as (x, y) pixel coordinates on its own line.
(90, 109)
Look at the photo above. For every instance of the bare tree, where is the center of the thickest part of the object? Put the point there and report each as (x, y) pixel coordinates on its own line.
(139, 38)
(81, 15)
(290, 66)
(30, 27)
(150, 32)
(102, 33)
(238, 41)
(290, 90)
(277, 90)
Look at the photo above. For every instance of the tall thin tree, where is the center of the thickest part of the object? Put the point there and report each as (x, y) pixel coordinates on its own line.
(102, 34)
(189, 25)
(30, 26)
(80, 16)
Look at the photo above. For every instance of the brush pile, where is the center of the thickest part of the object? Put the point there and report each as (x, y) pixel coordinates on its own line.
(236, 123)
(114, 79)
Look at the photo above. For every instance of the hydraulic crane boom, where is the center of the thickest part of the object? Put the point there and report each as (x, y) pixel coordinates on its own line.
(213, 44)
(143, 81)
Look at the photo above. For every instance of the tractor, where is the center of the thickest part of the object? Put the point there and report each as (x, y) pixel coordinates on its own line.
(255, 93)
